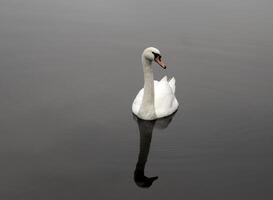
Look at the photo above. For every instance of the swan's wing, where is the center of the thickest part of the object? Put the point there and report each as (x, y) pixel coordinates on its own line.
(172, 84)
(163, 96)
(165, 100)
(137, 102)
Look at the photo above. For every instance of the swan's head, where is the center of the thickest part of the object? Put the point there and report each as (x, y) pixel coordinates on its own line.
(153, 54)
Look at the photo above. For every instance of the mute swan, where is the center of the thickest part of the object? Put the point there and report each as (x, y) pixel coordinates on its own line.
(157, 98)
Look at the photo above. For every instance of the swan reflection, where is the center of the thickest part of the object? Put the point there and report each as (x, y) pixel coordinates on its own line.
(146, 132)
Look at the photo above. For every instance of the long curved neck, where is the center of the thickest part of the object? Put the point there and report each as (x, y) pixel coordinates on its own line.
(147, 109)
(148, 97)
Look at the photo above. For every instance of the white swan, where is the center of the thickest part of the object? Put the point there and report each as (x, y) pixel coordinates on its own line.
(157, 98)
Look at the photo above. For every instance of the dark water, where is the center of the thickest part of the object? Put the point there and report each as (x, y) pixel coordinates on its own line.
(69, 72)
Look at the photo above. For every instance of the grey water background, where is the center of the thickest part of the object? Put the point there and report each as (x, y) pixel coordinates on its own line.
(69, 71)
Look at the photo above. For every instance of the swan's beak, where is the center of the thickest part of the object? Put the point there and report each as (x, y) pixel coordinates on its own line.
(160, 62)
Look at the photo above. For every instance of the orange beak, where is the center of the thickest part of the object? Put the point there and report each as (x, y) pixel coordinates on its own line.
(160, 62)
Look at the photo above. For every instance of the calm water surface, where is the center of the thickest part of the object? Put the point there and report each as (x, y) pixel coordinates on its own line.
(69, 72)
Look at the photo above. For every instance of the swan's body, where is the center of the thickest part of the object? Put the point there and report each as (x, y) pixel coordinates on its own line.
(165, 102)
(157, 98)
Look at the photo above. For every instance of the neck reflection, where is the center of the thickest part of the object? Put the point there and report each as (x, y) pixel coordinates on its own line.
(146, 131)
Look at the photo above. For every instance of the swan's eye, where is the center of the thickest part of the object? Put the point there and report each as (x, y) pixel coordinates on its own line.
(156, 55)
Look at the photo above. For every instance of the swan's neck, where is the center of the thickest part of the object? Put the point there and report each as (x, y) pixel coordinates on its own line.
(147, 110)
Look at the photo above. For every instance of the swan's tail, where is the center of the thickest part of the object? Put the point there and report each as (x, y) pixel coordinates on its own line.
(172, 84)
